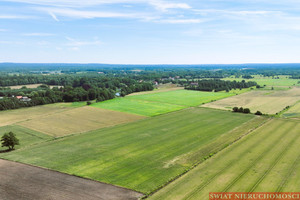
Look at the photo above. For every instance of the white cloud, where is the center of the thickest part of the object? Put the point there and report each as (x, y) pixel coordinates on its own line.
(73, 13)
(181, 21)
(75, 43)
(53, 16)
(158, 4)
(16, 17)
(38, 34)
(3, 30)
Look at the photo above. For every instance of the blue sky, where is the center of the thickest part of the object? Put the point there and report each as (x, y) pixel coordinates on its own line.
(150, 32)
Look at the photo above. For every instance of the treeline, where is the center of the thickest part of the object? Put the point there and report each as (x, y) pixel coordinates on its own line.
(219, 85)
(81, 89)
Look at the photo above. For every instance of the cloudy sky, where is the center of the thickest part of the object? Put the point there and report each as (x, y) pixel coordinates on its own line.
(150, 31)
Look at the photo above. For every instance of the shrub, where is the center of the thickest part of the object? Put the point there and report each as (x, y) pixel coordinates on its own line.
(88, 103)
(258, 113)
(246, 110)
(235, 109)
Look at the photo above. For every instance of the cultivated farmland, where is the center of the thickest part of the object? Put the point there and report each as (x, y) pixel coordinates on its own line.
(268, 102)
(163, 102)
(267, 160)
(78, 120)
(13, 116)
(142, 155)
(269, 81)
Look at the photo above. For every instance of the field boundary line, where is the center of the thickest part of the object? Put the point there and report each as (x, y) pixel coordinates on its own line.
(202, 161)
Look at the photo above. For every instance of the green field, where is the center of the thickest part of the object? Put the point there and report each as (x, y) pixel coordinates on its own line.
(293, 112)
(158, 103)
(266, 160)
(145, 154)
(26, 136)
(145, 108)
(269, 81)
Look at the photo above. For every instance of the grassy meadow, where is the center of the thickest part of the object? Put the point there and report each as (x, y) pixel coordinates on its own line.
(266, 160)
(26, 136)
(268, 102)
(145, 154)
(152, 104)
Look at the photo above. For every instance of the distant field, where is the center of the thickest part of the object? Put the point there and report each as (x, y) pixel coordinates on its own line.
(269, 102)
(293, 112)
(269, 81)
(145, 108)
(159, 103)
(142, 155)
(161, 88)
(78, 120)
(30, 86)
(13, 116)
(26, 136)
(268, 160)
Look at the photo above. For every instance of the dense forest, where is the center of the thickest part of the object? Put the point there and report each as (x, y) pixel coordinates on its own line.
(79, 89)
(217, 85)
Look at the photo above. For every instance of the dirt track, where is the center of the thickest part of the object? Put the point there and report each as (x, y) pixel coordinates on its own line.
(24, 182)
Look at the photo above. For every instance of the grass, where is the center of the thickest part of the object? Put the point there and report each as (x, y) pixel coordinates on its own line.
(293, 112)
(26, 136)
(10, 117)
(182, 97)
(145, 108)
(159, 103)
(142, 155)
(268, 102)
(265, 161)
(269, 81)
(78, 120)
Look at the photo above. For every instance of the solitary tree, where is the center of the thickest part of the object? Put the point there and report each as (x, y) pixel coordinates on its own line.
(258, 113)
(9, 140)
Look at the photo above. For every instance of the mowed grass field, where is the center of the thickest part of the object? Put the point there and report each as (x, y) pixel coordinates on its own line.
(26, 136)
(78, 120)
(159, 103)
(267, 160)
(268, 102)
(145, 154)
(269, 81)
(10, 117)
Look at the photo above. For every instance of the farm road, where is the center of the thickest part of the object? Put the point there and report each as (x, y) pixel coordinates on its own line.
(24, 182)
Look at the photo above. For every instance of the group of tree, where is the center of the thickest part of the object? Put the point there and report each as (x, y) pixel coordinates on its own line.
(80, 89)
(241, 110)
(219, 85)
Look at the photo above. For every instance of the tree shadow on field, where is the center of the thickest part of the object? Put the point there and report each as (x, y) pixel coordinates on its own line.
(6, 150)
